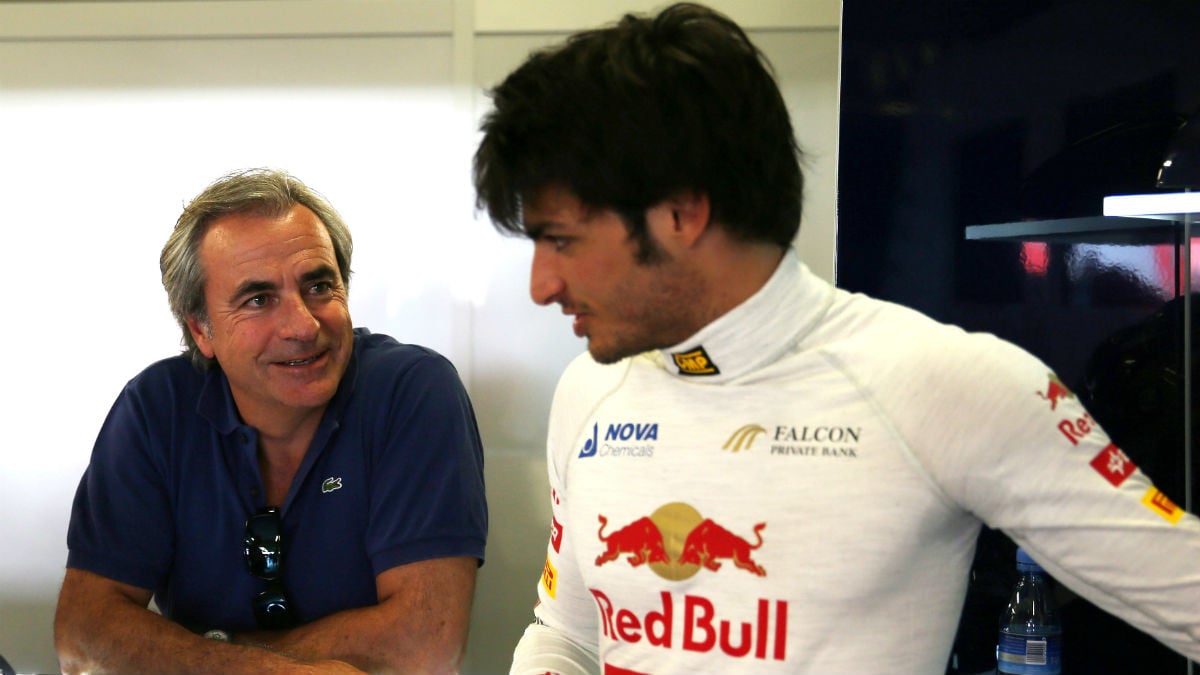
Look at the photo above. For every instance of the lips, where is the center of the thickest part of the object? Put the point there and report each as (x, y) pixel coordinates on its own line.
(296, 363)
(579, 319)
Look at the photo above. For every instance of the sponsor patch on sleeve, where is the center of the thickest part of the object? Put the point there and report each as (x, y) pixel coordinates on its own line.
(1113, 464)
(1158, 502)
(550, 578)
(556, 534)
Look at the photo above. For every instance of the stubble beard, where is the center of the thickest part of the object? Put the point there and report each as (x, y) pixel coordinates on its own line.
(663, 315)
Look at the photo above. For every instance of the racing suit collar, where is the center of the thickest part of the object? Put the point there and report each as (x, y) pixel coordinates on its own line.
(755, 332)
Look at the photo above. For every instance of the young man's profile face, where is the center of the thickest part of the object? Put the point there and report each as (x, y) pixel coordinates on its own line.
(585, 260)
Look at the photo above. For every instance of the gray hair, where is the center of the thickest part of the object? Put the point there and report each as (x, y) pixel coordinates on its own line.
(264, 192)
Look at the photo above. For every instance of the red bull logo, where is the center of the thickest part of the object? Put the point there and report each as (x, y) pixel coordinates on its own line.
(1055, 391)
(1077, 429)
(676, 542)
(641, 539)
(700, 625)
(709, 543)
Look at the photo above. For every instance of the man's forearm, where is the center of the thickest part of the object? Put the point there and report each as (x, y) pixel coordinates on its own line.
(419, 626)
(104, 627)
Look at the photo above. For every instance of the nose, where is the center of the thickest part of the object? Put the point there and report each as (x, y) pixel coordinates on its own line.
(296, 320)
(545, 283)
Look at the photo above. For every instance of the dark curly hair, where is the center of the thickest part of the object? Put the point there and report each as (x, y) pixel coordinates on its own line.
(631, 114)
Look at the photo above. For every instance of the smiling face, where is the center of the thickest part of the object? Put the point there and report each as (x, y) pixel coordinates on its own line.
(585, 260)
(278, 319)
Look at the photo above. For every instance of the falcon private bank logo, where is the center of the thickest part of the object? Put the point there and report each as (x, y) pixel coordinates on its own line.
(743, 438)
(817, 440)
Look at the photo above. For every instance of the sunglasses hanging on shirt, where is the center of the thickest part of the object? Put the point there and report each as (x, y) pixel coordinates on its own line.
(263, 554)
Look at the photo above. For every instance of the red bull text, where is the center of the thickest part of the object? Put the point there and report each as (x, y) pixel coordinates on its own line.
(700, 626)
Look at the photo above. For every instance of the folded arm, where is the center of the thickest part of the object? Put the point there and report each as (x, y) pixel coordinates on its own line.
(419, 626)
(104, 626)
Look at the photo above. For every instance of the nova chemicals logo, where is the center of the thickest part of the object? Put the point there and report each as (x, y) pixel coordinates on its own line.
(590, 445)
(622, 439)
(743, 438)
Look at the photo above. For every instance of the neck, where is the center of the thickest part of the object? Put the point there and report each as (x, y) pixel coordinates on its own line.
(279, 459)
(734, 270)
(283, 440)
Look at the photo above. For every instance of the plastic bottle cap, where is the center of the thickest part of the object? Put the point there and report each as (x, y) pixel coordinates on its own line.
(1026, 563)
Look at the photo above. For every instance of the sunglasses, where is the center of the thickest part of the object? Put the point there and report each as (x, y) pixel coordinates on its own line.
(263, 554)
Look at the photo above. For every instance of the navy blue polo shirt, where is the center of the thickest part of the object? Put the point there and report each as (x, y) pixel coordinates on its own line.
(394, 475)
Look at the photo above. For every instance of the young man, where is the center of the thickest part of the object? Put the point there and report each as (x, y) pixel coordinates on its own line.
(306, 495)
(752, 471)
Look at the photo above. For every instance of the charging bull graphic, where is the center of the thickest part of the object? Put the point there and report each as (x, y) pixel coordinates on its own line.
(641, 539)
(1055, 391)
(675, 542)
(710, 542)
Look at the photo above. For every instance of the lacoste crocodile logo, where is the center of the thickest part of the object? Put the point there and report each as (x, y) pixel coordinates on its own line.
(332, 483)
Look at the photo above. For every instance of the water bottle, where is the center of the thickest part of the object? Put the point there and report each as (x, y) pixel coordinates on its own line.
(1030, 631)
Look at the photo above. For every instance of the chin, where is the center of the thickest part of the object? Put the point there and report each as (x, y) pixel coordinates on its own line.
(609, 355)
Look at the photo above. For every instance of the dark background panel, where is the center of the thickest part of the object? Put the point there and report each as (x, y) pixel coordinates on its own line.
(957, 113)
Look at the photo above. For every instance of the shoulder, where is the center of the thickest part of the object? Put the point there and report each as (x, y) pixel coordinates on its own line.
(384, 356)
(583, 386)
(388, 376)
(167, 379)
(584, 380)
(914, 366)
(893, 351)
(876, 331)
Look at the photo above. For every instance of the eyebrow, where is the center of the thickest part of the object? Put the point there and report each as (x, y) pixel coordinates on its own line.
(538, 229)
(318, 273)
(253, 286)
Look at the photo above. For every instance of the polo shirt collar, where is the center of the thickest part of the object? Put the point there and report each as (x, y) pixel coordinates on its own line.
(215, 402)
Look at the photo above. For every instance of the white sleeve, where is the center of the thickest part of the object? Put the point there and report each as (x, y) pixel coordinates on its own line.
(543, 650)
(565, 637)
(1005, 439)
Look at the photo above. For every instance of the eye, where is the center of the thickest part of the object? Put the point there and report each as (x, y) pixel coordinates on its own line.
(321, 288)
(259, 300)
(558, 243)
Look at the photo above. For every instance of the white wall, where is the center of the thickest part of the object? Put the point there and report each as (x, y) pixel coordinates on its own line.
(114, 114)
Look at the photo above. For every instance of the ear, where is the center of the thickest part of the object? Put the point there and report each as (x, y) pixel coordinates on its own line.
(683, 216)
(202, 334)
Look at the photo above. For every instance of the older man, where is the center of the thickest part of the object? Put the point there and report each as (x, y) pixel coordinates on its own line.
(295, 494)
